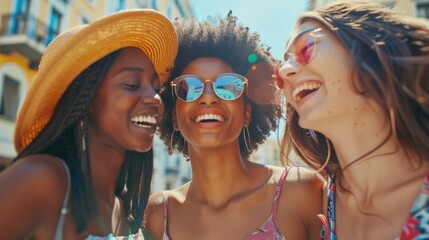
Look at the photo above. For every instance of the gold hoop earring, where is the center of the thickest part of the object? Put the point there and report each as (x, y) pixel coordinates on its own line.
(392, 121)
(184, 145)
(171, 141)
(246, 132)
(85, 165)
(82, 134)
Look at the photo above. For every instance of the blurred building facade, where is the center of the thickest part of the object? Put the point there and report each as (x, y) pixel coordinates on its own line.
(417, 8)
(28, 26)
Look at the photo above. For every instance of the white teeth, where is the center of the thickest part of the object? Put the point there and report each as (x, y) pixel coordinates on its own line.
(142, 125)
(305, 86)
(144, 121)
(210, 116)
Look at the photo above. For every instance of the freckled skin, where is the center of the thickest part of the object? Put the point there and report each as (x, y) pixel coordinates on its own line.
(331, 101)
(380, 175)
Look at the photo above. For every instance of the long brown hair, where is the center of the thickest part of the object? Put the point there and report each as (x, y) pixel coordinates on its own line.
(391, 55)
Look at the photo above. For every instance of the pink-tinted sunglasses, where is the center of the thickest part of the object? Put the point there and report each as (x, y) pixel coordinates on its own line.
(305, 48)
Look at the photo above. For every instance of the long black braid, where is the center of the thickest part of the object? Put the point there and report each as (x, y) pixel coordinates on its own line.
(66, 136)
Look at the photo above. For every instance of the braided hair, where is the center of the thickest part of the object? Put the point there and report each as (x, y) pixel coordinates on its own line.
(66, 137)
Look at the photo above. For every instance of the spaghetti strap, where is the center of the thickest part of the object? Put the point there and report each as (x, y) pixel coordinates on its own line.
(277, 195)
(64, 208)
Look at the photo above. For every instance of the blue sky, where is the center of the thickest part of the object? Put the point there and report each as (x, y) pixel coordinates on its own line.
(273, 19)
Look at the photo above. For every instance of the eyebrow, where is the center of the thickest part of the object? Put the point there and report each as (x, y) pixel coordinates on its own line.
(296, 36)
(133, 69)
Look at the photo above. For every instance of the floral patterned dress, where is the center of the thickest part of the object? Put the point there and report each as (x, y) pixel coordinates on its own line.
(328, 224)
(416, 227)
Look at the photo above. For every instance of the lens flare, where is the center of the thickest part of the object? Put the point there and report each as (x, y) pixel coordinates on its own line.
(252, 58)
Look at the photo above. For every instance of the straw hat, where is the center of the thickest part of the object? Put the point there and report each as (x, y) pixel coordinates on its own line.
(74, 50)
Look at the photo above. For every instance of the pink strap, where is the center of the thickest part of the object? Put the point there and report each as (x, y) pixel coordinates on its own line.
(277, 195)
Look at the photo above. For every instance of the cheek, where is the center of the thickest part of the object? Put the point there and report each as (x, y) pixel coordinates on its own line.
(337, 75)
(113, 109)
(237, 106)
(161, 109)
(181, 112)
(333, 83)
(95, 109)
(287, 93)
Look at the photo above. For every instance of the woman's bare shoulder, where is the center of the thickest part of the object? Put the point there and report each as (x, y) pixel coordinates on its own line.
(42, 175)
(302, 175)
(153, 223)
(297, 175)
(155, 214)
(31, 189)
(303, 186)
(301, 202)
(157, 199)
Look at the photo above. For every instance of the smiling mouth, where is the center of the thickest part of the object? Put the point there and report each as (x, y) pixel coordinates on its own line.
(209, 118)
(144, 121)
(303, 90)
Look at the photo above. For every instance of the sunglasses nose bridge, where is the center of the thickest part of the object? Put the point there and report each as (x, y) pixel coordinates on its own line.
(291, 60)
(208, 81)
(211, 89)
(287, 70)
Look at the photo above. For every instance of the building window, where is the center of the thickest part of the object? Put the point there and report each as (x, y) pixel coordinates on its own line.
(391, 5)
(84, 20)
(20, 18)
(423, 10)
(22, 6)
(10, 98)
(54, 25)
(169, 11)
(142, 3)
(155, 4)
(121, 5)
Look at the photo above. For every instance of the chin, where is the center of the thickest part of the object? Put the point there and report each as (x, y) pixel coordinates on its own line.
(142, 144)
(307, 124)
(143, 149)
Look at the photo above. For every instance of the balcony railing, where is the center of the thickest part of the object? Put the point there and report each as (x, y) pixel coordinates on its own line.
(25, 34)
(30, 26)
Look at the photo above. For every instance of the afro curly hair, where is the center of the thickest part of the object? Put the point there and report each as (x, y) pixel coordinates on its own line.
(232, 43)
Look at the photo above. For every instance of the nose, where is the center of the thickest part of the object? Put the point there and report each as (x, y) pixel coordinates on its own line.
(150, 96)
(208, 96)
(288, 70)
